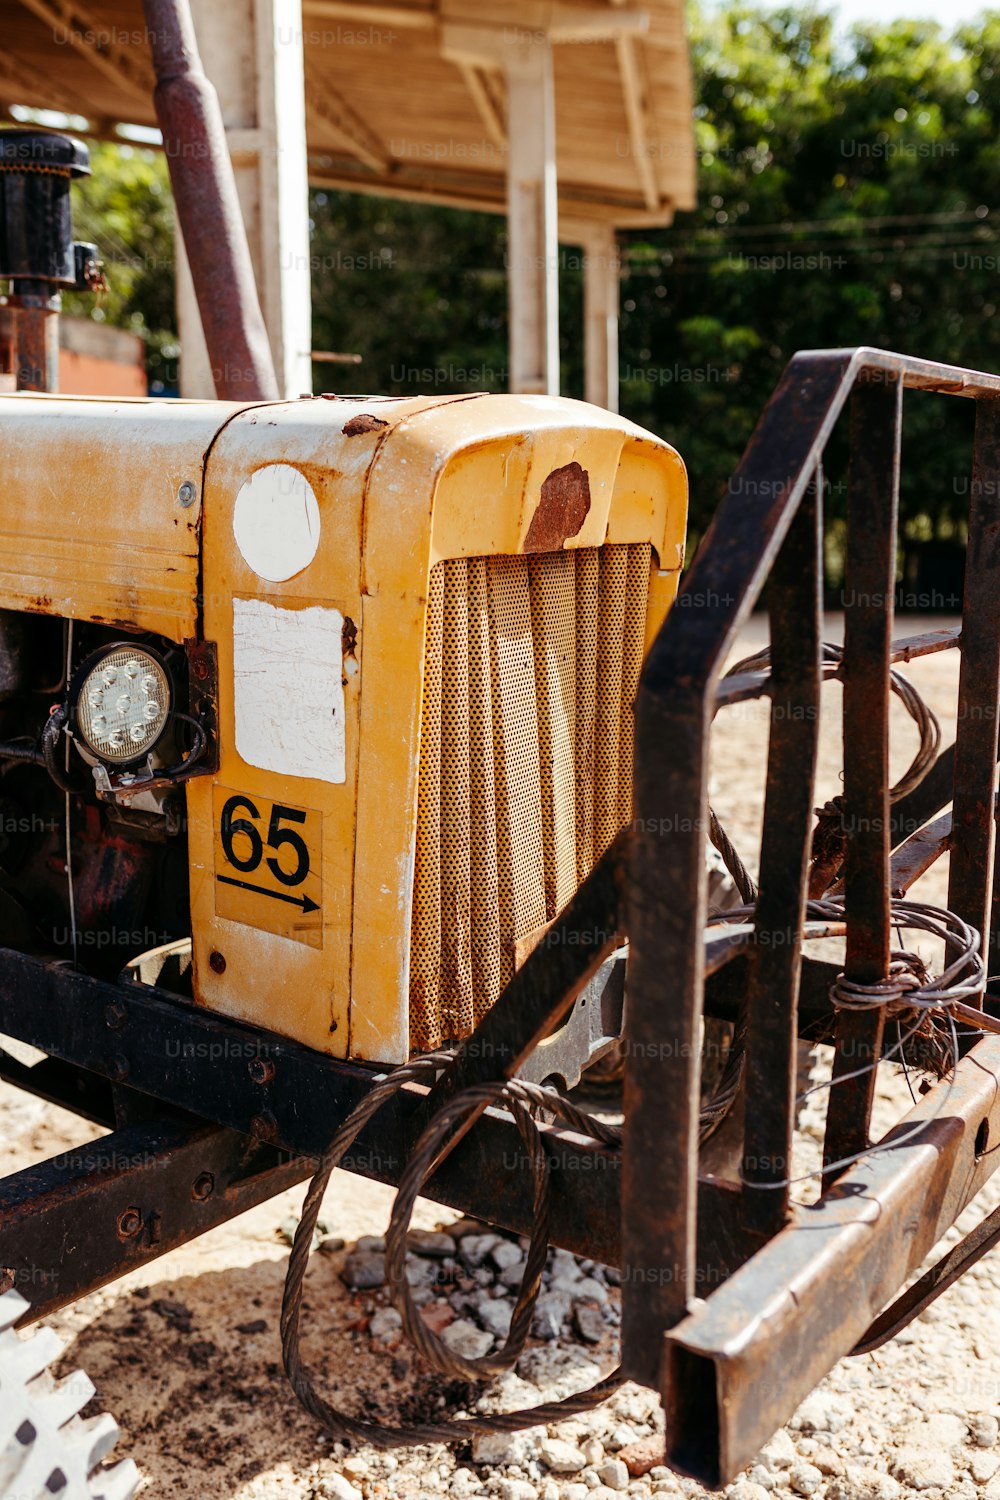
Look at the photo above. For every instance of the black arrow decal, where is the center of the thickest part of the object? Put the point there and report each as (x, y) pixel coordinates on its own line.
(306, 902)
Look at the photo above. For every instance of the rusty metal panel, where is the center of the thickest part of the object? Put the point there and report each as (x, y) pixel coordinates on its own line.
(322, 615)
(465, 480)
(97, 522)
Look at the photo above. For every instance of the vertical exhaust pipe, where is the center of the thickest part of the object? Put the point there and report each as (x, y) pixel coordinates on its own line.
(38, 255)
(208, 208)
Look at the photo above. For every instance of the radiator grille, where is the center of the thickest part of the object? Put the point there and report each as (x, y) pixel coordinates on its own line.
(531, 669)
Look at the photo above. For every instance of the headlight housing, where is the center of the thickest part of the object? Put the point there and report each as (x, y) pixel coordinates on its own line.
(120, 703)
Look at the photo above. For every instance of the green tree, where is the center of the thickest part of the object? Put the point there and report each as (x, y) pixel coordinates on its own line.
(846, 192)
(418, 292)
(125, 208)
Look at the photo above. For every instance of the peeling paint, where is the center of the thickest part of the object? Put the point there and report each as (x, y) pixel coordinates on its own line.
(288, 690)
(562, 509)
(363, 423)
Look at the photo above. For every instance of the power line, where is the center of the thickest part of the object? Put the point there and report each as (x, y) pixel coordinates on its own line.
(881, 221)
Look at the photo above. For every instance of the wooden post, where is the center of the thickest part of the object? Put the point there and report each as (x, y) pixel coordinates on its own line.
(601, 271)
(252, 52)
(532, 217)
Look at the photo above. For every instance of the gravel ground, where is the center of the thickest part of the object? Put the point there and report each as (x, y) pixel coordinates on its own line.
(185, 1353)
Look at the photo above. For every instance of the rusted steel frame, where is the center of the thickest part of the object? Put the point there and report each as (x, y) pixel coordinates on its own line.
(749, 685)
(991, 956)
(72, 1224)
(870, 582)
(921, 850)
(928, 643)
(8, 347)
(926, 800)
(973, 833)
(933, 1284)
(57, 1082)
(742, 689)
(979, 685)
(928, 375)
(666, 906)
(914, 856)
(739, 1365)
(667, 895)
(723, 950)
(726, 988)
(208, 208)
(258, 1083)
(772, 1032)
(215, 1067)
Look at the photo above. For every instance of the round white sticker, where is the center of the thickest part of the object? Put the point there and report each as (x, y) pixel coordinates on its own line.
(276, 522)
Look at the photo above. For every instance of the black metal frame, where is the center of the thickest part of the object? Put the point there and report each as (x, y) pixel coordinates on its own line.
(728, 1377)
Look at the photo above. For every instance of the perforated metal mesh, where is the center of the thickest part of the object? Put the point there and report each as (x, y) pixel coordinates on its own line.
(531, 670)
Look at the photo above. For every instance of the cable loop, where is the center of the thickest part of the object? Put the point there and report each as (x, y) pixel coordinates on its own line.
(920, 712)
(845, 994)
(523, 1101)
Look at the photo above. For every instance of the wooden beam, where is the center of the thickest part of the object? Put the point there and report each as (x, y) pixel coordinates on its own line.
(325, 103)
(509, 21)
(491, 110)
(640, 124)
(93, 38)
(532, 220)
(481, 194)
(40, 91)
(361, 14)
(565, 22)
(481, 191)
(574, 23)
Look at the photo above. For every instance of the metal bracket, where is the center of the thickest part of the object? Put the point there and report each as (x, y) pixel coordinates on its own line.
(592, 1028)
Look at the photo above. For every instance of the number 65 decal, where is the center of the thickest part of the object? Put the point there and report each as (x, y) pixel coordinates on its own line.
(268, 865)
(277, 837)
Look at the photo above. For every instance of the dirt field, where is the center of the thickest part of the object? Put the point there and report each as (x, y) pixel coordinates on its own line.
(185, 1353)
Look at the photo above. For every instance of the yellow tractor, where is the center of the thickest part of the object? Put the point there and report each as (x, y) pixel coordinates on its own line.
(353, 780)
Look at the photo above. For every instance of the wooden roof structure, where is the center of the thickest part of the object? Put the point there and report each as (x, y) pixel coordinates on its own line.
(407, 99)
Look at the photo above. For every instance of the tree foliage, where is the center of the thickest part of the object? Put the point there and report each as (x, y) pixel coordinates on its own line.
(847, 194)
(126, 209)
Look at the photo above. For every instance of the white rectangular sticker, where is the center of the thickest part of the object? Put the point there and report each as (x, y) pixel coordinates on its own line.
(288, 689)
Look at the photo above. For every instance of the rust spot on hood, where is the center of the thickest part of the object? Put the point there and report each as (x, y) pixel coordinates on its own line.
(562, 509)
(365, 423)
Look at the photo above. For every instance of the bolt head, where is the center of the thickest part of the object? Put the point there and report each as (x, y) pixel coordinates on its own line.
(187, 493)
(264, 1126)
(129, 1223)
